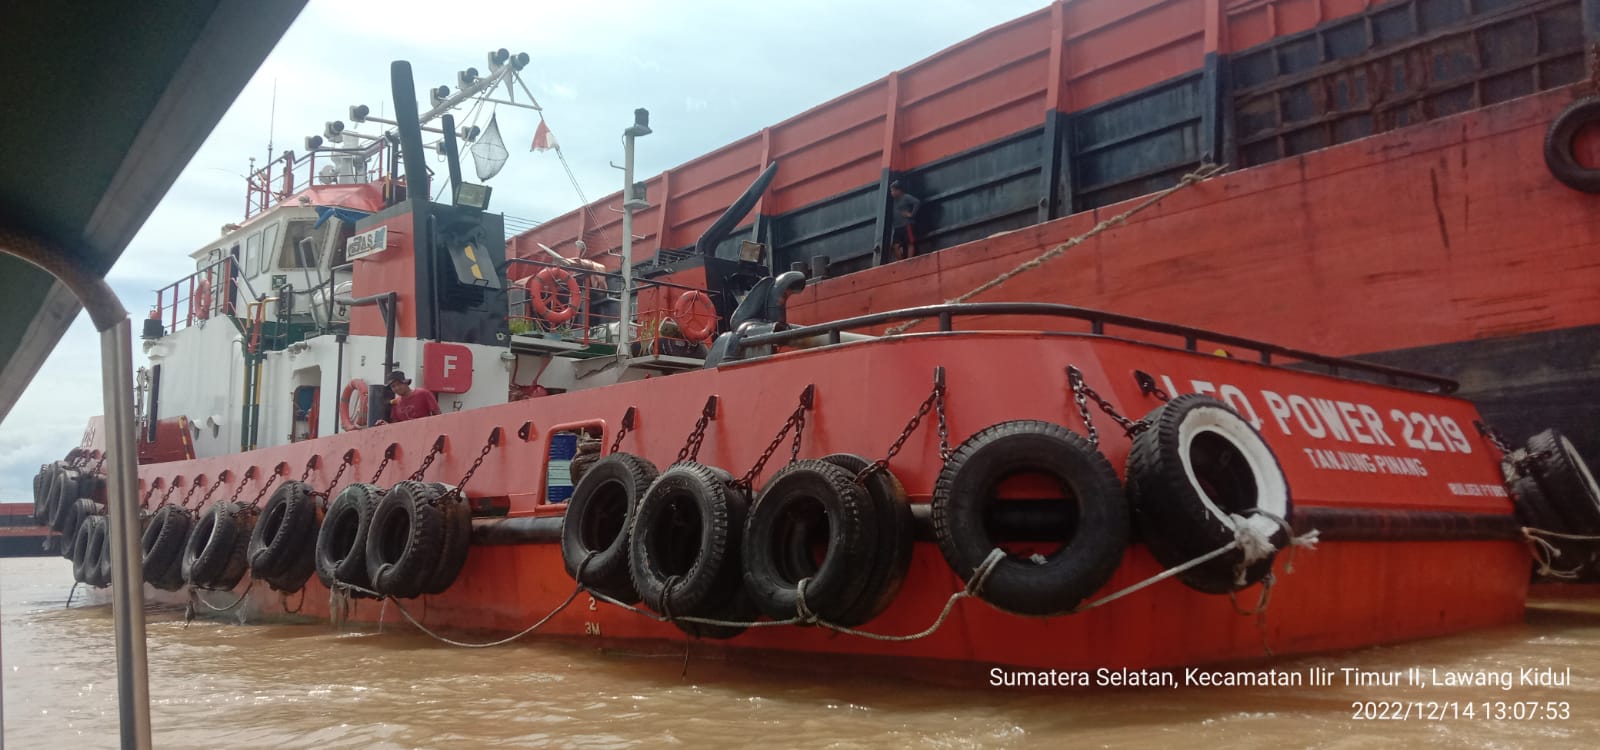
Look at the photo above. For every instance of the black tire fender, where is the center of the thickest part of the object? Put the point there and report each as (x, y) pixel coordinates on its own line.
(599, 521)
(1559, 154)
(162, 546)
(81, 545)
(1198, 466)
(405, 539)
(1086, 559)
(63, 491)
(341, 552)
(457, 542)
(804, 501)
(75, 515)
(1568, 484)
(214, 557)
(892, 550)
(683, 564)
(284, 538)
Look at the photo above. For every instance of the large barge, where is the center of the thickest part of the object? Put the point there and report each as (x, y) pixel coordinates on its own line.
(650, 429)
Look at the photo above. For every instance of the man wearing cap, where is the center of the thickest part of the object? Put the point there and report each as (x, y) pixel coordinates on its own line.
(903, 239)
(409, 403)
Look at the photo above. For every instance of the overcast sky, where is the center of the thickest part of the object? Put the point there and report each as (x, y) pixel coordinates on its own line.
(709, 72)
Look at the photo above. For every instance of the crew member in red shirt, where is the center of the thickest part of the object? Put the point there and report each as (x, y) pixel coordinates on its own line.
(409, 403)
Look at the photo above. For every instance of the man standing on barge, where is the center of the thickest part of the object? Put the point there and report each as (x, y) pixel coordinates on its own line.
(903, 239)
(409, 403)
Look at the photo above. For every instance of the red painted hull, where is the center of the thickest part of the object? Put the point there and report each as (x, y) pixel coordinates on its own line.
(1341, 595)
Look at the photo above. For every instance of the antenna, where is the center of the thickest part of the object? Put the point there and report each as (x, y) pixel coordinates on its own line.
(272, 118)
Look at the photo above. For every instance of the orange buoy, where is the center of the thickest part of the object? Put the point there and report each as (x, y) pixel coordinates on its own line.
(544, 294)
(695, 315)
(356, 391)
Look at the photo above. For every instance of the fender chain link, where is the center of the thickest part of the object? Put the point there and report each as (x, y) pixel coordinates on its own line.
(796, 422)
(934, 402)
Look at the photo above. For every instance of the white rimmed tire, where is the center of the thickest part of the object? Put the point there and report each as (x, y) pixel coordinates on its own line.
(1193, 477)
(1568, 484)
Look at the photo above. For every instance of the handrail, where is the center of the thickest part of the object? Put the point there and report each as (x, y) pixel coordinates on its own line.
(1098, 320)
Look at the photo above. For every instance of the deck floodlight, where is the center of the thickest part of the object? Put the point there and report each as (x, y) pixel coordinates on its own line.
(520, 61)
(438, 94)
(641, 123)
(470, 133)
(333, 131)
(466, 77)
(313, 142)
(498, 57)
(359, 112)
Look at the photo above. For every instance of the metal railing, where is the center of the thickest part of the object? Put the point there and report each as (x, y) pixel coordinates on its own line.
(1268, 354)
(201, 295)
(287, 175)
(654, 327)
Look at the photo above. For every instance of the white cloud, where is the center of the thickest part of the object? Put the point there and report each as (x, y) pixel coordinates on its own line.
(621, 54)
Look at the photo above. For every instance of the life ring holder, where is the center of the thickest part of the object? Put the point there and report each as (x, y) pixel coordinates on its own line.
(695, 315)
(200, 301)
(355, 390)
(1559, 152)
(552, 309)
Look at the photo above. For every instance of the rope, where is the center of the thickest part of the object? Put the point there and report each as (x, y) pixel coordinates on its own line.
(1201, 174)
(70, 593)
(195, 592)
(1544, 553)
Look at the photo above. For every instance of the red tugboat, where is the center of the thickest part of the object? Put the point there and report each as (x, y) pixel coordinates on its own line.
(1114, 490)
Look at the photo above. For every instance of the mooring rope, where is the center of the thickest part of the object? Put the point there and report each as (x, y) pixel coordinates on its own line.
(1544, 553)
(1201, 174)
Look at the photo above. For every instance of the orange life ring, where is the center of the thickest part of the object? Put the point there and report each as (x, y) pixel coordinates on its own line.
(695, 315)
(551, 307)
(200, 301)
(356, 389)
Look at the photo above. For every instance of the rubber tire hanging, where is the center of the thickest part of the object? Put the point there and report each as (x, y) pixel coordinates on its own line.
(162, 547)
(1086, 559)
(1568, 484)
(215, 555)
(405, 540)
(457, 525)
(1175, 480)
(704, 558)
(800, 500)
(341, 551)
(1560, 155)
(283, 543)
(599, 521)
(891, 551)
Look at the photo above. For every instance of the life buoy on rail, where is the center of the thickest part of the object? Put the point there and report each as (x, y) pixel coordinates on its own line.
(599, 521)
(214, 557)
(684, 554)
(806, 506)
(405, 539)
(353, 405)
(1198, 474)
(695, 315)
(341, 552)
(162, 547)
(1568, 484)
(544, 295)
(200, 300)
(891, 551)
(1560, 153)
(1088, 555)
(283, 544)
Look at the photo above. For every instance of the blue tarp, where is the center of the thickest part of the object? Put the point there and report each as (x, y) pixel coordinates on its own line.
(349, 215)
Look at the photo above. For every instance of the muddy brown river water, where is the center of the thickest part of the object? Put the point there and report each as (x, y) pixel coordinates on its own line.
(224, 685)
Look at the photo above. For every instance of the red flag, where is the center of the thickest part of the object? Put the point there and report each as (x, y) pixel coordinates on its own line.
(543, 139)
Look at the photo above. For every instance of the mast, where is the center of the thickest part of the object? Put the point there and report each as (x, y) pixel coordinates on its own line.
(630, 203)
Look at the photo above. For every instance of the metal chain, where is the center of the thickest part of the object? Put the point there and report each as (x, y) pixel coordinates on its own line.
(797, 419)
(622, 430)
(345, 464)
(934, 400)
(248, 475)
(1495, 436)
(267, 485)
(438, 447)
(99, 464)
(384, 464)
(488, 445)
(145, 503)
(196, 485)
(1082, 394)
(697, 436)
(311, 464)
(166, 497)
